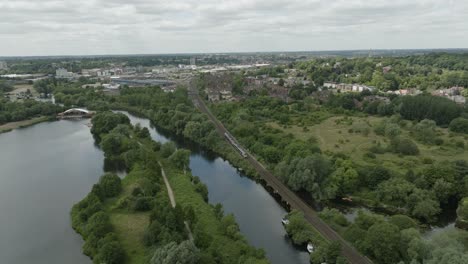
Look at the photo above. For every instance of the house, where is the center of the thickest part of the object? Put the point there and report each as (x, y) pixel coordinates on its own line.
(330, 85)
(214, 96)
(226, 95)
(386, 69)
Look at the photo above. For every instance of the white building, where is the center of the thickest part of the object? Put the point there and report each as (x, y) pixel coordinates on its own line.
(62, 73)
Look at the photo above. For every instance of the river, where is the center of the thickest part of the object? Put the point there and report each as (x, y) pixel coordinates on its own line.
(48, 167)
(257, 212)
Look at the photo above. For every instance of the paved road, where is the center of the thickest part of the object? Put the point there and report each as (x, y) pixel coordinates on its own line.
(349, 252)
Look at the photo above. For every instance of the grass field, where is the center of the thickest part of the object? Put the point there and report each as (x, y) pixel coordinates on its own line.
(129, 226)
(334, 136)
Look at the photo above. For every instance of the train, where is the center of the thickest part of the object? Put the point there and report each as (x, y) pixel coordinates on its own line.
(234, 143)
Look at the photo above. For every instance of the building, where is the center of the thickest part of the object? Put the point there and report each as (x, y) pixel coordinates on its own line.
(193, 61)
(62, 73)
(111, 86)
(3, 65)
(330, 85)
(346, 87)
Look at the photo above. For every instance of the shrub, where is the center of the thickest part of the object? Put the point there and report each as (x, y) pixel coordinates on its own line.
(143, 204)
(404, 146)
(459, 125)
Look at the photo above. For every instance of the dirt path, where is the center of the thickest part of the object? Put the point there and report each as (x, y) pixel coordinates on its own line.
(170, 192)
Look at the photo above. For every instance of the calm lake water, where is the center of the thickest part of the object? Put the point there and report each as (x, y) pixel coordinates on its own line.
(45, 169)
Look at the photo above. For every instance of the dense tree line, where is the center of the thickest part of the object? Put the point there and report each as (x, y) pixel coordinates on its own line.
(18, 111)
(426, 72)
(397, 239)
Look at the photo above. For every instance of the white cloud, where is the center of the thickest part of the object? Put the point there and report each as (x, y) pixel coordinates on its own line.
(52, 27)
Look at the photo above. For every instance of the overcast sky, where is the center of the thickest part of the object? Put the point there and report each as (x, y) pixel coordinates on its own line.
(80, 27)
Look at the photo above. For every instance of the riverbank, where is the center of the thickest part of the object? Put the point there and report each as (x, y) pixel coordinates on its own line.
(22, 124)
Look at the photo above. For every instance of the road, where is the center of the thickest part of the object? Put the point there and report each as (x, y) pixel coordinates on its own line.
(349, 252)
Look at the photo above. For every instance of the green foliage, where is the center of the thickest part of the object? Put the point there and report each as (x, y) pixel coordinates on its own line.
(180, 158)
(402, 222)
(104, 122)
(167, 149)
(309, 173)
(439, 109)
(462, 210)
(423, 204)
(173, 253)
(383, 241)
(404, 146)
(18, 111)
(300, 231)
(110, 185)
(459, 125)
(109, 250)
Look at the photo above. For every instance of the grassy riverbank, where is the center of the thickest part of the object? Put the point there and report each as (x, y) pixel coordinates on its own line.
(21, 124)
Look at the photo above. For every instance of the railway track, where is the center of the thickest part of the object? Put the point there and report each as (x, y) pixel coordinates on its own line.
(294, 201)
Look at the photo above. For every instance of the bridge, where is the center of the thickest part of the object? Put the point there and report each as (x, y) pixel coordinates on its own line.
(287, 196)
(75, 113)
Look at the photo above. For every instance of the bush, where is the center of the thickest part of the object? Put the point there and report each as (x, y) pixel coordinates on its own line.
(143, 204)
(404, 146)
(459, 125)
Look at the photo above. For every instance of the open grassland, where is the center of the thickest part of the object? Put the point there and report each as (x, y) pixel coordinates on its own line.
(336, 135)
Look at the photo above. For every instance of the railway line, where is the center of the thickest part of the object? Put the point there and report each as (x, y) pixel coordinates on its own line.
(288, 196)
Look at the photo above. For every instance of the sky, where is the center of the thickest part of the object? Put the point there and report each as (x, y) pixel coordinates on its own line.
(92, 27)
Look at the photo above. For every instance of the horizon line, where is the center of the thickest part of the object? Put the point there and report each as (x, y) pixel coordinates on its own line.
(229, 52)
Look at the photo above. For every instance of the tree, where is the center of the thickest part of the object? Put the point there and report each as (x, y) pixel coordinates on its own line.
(394, 191)
(181, 158)
(104, 122)
(422, 204)
(383, 241)
(173, 253)
(167, 149)
(111, 184)
(345, 177)
(113, 144)
(98, 225)
(402, 222)
(110, 251)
